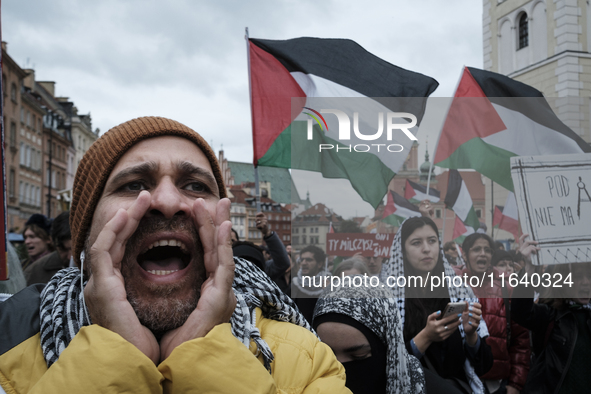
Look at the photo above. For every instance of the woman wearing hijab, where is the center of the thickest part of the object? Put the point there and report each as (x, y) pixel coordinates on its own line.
(453, 347)
(362, 326)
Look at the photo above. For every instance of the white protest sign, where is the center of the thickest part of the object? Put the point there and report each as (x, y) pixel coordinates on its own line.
(554, 199)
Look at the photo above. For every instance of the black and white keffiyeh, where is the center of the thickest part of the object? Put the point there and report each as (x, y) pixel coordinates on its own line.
(310, 291)
(62, 309)
(395, 268)
(375, 309)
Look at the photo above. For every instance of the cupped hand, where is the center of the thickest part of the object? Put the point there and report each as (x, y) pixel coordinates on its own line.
(105, 293)
(217, 300)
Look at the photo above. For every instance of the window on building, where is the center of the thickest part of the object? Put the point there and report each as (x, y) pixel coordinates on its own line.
(28, 156)
(304, 231)
(303, 239)
(523, 31)
(28, 118)
(12, 134)
(438, 213)
(23, 155)
(13, 92)
(296, 240)
(22, 115)
(11, 183)
(21, 191)
(478, 213)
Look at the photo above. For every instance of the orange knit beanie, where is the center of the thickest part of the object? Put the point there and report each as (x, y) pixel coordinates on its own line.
(100, 159)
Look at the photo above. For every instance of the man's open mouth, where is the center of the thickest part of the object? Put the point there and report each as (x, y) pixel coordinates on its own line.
(164, 257)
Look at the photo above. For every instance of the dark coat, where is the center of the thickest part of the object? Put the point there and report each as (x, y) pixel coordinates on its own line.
(43, 269)
(557, 329)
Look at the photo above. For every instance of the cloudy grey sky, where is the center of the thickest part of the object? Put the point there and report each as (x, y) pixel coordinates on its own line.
(186, 60)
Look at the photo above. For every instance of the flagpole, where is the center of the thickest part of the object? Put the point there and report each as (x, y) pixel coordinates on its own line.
(443, 227)
(492, 208)
(440, 132)
(256, 170)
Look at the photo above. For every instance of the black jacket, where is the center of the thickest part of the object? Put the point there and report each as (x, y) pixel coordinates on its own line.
(555, 335)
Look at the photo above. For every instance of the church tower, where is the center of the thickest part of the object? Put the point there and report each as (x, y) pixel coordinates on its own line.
(545, 44)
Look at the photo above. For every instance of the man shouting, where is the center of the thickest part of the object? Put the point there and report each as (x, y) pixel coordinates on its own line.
(161, 305)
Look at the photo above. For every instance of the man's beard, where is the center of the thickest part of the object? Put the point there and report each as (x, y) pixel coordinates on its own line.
(163, 307)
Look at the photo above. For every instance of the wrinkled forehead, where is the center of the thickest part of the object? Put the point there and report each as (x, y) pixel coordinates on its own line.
(163, 150)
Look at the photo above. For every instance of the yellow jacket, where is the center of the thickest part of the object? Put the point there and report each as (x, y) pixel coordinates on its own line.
(100, 361)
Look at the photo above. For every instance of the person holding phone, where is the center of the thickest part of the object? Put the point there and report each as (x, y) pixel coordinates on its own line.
(454, 347)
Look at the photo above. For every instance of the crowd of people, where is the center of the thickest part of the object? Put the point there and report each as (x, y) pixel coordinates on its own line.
(145, 278)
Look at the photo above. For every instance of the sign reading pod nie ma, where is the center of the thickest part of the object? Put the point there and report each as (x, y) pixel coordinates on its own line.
(554, 200)
(348, 244)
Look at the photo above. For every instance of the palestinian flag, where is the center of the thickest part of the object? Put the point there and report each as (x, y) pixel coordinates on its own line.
(398, 209)
(459, 200)
(510, 219)
(461, 231)
(497, 215)
(493, 118)
(415, 192)
(307, 68)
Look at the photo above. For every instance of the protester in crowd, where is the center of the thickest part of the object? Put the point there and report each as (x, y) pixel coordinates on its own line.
(453, 347)
(451, 252)
(37, 241)
(508, 340)
(171, 309)
(43, 269)
(503, 262)
(374, 264)
(277, 262)
(518, 261)
(499, 245)
(362, 326)
(559, 325)
(250, 252)
(16, 280)
(312, 268)
(352, 266)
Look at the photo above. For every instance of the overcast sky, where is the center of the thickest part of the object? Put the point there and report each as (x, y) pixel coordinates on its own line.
(186, 60)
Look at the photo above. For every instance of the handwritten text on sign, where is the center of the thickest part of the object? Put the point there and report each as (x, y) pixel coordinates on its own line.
(554, 200)
(347, 244)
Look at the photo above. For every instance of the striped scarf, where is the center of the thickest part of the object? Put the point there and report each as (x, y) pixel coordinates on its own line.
(62, 309)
